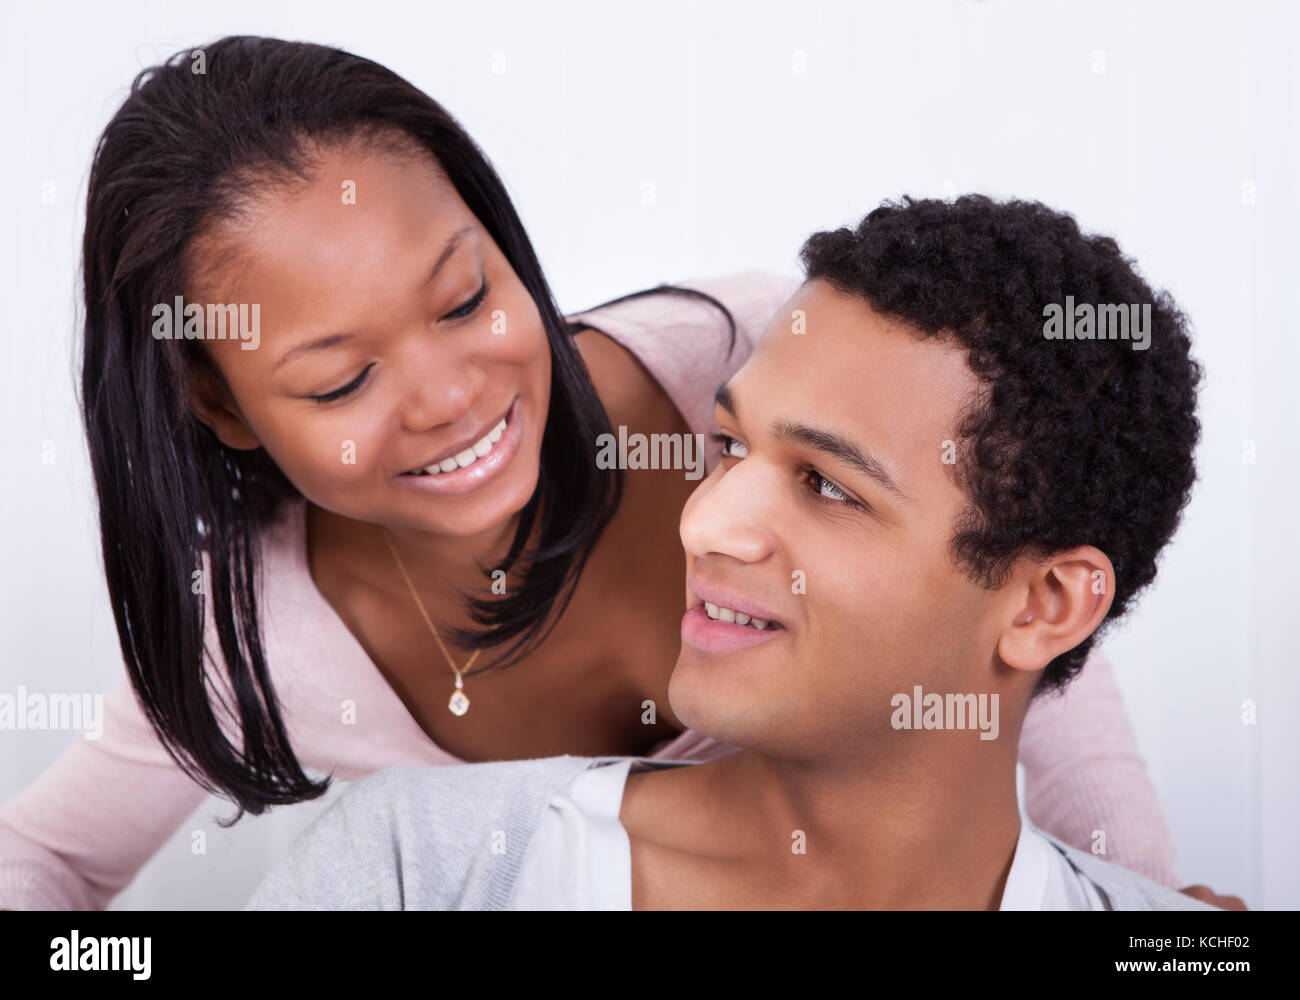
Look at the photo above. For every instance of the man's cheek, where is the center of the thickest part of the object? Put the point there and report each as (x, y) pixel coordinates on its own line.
(698, 494)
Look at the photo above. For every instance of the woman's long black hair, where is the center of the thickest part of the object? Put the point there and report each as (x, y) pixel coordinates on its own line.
(176, 157)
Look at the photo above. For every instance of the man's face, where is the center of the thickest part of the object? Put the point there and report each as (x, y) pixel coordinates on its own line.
(855, 567)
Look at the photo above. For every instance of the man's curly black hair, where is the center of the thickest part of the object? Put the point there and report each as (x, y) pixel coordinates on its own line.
(1076, 442)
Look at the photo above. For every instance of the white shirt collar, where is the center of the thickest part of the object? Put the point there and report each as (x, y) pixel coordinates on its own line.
(1027, 879)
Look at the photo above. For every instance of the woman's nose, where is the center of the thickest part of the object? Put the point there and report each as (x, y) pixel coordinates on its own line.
(439, 385)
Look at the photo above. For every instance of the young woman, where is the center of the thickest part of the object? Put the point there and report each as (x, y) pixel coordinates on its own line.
(371, 529)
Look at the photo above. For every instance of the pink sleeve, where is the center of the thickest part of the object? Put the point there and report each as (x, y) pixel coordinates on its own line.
(1083, 773)
(78, 834)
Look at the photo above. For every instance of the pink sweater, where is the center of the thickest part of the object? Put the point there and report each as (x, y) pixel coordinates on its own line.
(78, 834)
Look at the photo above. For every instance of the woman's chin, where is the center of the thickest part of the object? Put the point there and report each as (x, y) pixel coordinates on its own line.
(480, 511)
(482, 519)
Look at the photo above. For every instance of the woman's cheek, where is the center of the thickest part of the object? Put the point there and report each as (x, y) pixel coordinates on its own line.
(325, 454)
(518, 329)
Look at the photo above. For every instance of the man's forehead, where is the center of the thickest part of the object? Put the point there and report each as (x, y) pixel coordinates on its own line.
(832, 353)
(827, 331)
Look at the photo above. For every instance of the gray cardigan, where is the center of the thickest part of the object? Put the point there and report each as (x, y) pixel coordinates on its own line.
(453, 838)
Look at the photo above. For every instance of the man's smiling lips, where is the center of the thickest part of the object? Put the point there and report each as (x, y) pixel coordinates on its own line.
(495, 456)
(722, 620)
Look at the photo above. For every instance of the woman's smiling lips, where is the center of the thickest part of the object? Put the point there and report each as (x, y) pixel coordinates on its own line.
(470, 477)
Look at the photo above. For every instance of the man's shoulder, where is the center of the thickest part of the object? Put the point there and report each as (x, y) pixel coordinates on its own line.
(423, 838)
(1124, 889)
(484, 781)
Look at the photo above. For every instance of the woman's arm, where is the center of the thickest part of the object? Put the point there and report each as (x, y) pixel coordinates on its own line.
(1084, 775)
(78, 834)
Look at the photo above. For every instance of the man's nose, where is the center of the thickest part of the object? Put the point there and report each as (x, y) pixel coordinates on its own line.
(732, 515)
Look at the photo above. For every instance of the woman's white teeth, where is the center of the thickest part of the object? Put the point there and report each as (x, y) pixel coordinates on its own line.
(480, 449)
(722, 614)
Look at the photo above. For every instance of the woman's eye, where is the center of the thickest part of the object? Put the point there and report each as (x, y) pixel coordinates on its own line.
(346, 390)
(460, 312)
(731, 448)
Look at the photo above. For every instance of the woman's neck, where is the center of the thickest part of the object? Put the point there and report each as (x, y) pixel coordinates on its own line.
(443, 568)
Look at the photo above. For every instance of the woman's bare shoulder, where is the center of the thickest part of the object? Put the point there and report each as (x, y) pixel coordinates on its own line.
(631, 395)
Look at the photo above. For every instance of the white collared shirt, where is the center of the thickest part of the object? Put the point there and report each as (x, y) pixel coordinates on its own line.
(1042, 878)
(581, 858)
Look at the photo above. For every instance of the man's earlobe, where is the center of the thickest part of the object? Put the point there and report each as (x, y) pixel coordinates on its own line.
(1056, 603)
(212, 404)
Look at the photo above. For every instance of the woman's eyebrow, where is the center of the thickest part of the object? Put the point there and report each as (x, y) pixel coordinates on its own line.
(334, 339)
(827, 441)
(448, 250)
(319, 344)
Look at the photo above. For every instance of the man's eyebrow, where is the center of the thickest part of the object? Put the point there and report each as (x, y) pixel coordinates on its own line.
(334, 339)
(725, 399)
(837, 445)
(826, 441)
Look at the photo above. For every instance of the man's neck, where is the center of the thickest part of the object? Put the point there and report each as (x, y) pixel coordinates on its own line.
(936, 829)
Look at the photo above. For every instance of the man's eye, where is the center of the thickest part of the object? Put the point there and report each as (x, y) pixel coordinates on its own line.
(346, 390)
(729, 446)
(468, 308)
(829, 492)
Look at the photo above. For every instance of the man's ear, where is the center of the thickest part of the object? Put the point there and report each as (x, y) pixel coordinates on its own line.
(1054, 604)
(213, 404)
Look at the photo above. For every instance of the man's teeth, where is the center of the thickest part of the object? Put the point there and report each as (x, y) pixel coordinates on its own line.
(721, 614)
(480, 449)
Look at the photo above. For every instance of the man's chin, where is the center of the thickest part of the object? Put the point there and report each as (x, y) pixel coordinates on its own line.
(725, 712)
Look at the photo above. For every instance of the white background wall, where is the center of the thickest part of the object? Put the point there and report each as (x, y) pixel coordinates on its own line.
(1150, 121)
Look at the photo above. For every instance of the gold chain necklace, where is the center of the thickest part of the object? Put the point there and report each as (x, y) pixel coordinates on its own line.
(458, 703)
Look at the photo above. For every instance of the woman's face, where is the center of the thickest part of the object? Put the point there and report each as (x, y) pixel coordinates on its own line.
(395, 337)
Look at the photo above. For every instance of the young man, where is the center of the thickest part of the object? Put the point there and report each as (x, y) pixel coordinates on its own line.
(939, 482)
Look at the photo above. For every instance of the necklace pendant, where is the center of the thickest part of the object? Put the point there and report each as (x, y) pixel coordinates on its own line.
(458, 704)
